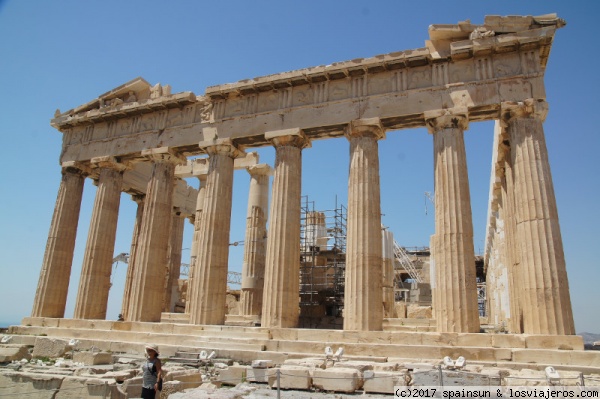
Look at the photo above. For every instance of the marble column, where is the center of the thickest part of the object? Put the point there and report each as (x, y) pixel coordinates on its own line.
(195, 240)
(281, 296)
(363, 294)
(210, 274)
(151, 255)
(544, 288)
(388, 257)
(173, 261)
(456, 308)
(512, 246)
(94, 283)
(139, 200)
(53, 285)
(253, 268)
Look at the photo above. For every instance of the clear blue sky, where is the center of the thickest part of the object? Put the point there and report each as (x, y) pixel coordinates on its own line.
(63, 54)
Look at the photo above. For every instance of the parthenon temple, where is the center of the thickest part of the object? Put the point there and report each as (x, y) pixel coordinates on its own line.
(144, 140)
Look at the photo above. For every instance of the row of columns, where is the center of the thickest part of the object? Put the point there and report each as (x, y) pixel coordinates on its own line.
(532, 249)
(455, 297)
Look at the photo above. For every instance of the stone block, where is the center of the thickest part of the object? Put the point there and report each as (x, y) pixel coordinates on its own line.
(8, 353)
(337, 380)
(233, 375)
(50, 347)
(121, 375)
(28, 385)
(257, 374)
(382, 382)
(562, 342)
(481, 340)
(81, 388)
(357, 365)
(400, 310)
(171, 387)
(406, 338)
(508, 341)
(190, 378)
(387, 366)
(292, 377)
(262, 364)
(133, 387)
(311, 363)
(418, 312)
(452, 378)
(92, 358)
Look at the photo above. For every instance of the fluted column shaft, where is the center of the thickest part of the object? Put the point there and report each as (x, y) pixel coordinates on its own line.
(139, 200)
(195, 242)
(173, 261)
(210, 274)
(512, 246)
(151, 254)
(281, 306)
(53, 285)
(94, 283)
(544, 286)
(456, 307)
(389, 310)
(363, 294)
(253, 269)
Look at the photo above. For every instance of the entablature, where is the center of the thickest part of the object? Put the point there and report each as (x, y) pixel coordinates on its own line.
(469, 66)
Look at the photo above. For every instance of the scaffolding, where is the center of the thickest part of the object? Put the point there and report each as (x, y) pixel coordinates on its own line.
(322, 263)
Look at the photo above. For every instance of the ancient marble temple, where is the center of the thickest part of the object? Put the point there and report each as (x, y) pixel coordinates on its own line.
(144, 140)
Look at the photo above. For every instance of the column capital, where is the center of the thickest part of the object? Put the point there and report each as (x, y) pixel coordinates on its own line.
(260, 170)
(530, 108)
(76, 167)
(221, 147)
(439, 119)
(288, 137)
(110, 162)
(138, 198)
(368, 127)
(164, 154)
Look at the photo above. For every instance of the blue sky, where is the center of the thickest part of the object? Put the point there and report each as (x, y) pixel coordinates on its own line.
(65, 53)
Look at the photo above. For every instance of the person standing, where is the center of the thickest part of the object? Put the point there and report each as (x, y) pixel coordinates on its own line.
(152, 372)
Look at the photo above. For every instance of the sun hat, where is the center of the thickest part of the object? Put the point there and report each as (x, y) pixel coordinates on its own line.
(152, 347)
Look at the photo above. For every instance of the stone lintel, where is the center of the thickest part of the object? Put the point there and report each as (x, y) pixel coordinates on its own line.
(167, 154)
(260, 170)
(199, 167)
(365, 127)
(530, 108)
(293, 136)
(446, 118)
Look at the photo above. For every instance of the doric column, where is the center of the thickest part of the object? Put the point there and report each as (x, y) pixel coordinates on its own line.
(53, 285)
(139, 200)
(546, 303)
(191, 286)
(363, 295)
(389, 310)
(94, 283)
(282, 265)
(512, 246)
(210, 274)
(456, 307)
(173, 261)
(151, 254)
(253, 269)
